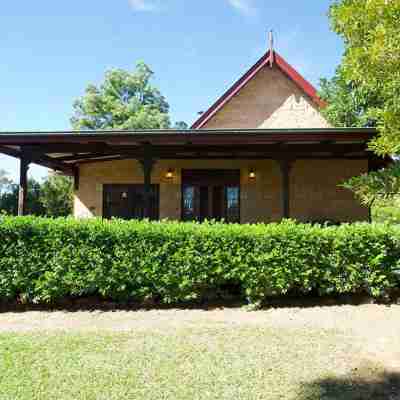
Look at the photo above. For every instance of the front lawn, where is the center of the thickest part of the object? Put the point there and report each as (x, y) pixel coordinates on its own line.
(199, 357)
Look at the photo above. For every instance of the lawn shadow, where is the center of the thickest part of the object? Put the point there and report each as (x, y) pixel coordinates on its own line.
(363, 384)
(96, 303)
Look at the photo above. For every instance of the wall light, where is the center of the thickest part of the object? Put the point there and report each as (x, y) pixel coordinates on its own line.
(124, 195)
(252, 173)
(169, 174)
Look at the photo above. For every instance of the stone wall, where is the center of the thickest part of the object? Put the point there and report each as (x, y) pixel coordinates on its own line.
(314, 191)
(270, 101)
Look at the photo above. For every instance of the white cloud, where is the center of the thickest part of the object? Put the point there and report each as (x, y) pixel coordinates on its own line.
(245, 7)
(143, 5)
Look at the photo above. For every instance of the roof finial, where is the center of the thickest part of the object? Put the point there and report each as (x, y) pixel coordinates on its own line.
(271, 48)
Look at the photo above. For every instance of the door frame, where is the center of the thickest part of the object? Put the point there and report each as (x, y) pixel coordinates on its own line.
(209, 178)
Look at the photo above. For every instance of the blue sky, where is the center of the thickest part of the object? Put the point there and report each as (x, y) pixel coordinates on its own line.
(50, 51)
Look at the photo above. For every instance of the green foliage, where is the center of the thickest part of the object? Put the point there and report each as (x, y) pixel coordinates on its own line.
(182, 125)
(56, 195)
(387, 210)
(4, 180)
(52, 197)
(383, 184)
(9, 199)
(124, 100)
(366, 88)
(348, 104)
(371, 31)
(44, 260)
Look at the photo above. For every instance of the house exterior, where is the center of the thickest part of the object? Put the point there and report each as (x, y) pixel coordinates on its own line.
(269, 96)
(260, 153)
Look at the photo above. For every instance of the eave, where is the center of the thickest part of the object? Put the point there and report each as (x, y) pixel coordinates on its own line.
(66, 150)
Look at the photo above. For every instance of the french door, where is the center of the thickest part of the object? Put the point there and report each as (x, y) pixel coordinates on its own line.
(211, 194)
(127, 201)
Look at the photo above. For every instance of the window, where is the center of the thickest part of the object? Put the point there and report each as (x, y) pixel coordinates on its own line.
(188, 203)
(127, 201)
(232, 206)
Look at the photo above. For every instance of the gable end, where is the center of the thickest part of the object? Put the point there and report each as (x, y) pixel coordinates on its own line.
(270, 61)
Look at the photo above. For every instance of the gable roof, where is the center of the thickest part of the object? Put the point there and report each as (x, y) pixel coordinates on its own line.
(268, 58)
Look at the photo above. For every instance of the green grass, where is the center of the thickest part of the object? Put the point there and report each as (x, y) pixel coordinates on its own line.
(192, 363)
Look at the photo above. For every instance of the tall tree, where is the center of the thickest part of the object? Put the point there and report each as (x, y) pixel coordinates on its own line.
(371, 32)
(56, 194)
(348, 104)
(124, 100)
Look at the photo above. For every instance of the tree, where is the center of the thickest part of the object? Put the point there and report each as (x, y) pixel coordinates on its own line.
(348, 103)
(366, 87)
(375, 186)
(52, 198)
(124, 100)
(9, 199)
(181, 125)
(4, 180)
(371, 32)
(56, 195)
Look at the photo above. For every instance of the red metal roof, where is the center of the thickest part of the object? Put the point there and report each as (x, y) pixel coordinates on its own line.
(266, 59)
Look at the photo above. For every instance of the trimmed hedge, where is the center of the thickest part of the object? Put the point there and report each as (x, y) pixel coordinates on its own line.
(44, 260)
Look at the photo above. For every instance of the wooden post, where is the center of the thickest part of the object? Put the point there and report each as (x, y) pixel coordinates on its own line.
(23, 185)
(76, 178)
(370, 169)
(147, 165)
(285, 166)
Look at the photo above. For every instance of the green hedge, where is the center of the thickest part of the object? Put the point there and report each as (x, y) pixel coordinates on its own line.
(44, 260)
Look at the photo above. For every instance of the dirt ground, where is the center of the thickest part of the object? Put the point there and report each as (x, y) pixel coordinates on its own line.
(374, 328)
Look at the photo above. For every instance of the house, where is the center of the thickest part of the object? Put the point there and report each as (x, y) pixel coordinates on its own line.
(260, 153)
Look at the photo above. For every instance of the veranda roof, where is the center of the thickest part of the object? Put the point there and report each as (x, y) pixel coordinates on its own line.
(65, 150)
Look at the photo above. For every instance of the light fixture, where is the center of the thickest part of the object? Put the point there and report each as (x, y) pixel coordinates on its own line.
(124, 195)
(252, 173)
(169, 174)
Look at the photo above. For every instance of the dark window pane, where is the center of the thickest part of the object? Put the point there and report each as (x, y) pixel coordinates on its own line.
(232, 204)
(188, 206)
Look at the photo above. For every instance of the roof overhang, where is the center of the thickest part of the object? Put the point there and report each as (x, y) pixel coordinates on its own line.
(66, 150)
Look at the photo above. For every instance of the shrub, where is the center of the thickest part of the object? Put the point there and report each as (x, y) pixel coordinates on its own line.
(387, 211)
(47, 260)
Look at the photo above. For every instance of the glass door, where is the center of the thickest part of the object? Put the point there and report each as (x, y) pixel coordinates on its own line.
(190, 203)
(232, 204)
(211, 202)
(211, 194)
